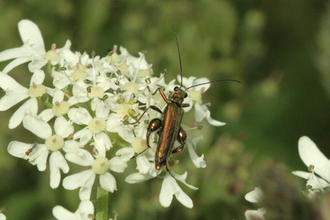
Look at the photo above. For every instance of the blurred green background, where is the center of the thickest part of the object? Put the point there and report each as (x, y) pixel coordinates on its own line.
(280, 50)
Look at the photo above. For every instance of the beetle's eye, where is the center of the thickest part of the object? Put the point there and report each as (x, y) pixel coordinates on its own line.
(176, 88)
(186, 95)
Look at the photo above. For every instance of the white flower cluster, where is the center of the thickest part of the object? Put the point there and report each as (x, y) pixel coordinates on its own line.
(90, 105)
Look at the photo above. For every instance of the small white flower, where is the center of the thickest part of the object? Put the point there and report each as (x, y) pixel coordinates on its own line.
(195, 99)
(170, 188)
(15, 93)
(53, 143)
(317, 163)
(199, 162)
(85, 211)
(60, 106)
(32, 49)
(85, 179)
(95, 127)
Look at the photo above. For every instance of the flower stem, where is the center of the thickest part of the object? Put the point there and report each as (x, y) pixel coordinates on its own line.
(101, 204)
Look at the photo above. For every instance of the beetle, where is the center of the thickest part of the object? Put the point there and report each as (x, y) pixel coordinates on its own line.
(169, 128)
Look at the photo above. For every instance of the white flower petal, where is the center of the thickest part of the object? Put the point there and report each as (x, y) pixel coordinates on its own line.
(86, 189)
(37, 77)
(84, 158)
(137, 178)
(255, 214)
(79, 116)
(199, 162)
(255, 195)
(38, 156)
(170, 188)
(2, 216)
(103, 140)
(57, 162)
(312, 179)
(18, 149)
(37, 126)
(77, 180)
(202, 112)
(40, 161)
(37, 64)
(125, 153)
(46, 114)
(71, 146)
(61, 213)
(311, 155)
(117, 165)
(100, 109)
(30, 107)
(22, 52)
(14, 92)
(183, 198)
(63, 127)
(13, 53)
(84, 211)
(302, 174)
(30, 33)
(84, 135)
(86, 208)
(108, 182)
(182, 178)
(317, 183)
(143, 164)
(213, 122)
(58, 96)
(125, 134)
(167, 191)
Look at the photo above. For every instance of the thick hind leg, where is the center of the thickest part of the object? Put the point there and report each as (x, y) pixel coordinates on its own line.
(182, 136)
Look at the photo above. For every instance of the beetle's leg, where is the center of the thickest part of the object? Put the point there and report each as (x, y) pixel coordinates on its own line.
(154, 125)
(152, 107)
(160, 89)
(163, 95)
(182, 136)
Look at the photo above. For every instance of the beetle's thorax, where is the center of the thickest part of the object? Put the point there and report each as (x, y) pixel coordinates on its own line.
(179, 95)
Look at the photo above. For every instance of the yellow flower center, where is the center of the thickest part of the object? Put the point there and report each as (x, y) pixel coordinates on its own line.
(36, 90)
(139, 144)
(196, 96)
(96, 125)
(100, 165)
(60, 108)
(54, 142)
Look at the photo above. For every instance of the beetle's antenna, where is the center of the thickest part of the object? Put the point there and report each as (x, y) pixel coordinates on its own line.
(177, 44)
(220, 80)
